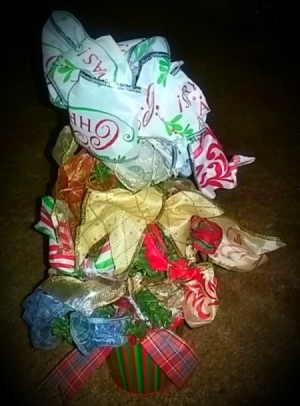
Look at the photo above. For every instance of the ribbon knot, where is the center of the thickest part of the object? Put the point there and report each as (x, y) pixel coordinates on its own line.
(200, 298)
(156, 254)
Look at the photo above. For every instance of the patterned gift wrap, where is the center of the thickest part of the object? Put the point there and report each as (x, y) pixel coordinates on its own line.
(133, 369)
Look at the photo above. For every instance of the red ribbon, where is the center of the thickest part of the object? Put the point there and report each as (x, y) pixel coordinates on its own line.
(206, 235)
(200, 296)
(169, 351)
(156, 254)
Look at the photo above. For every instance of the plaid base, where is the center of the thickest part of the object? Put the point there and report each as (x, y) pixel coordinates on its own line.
(168, 351)
(75, 370)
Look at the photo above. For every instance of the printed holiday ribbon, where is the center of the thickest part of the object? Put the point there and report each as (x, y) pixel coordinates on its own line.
(61, 249)
(200, 298)
(211, 168)
(241, 250)
(169, 351)
(61, 246)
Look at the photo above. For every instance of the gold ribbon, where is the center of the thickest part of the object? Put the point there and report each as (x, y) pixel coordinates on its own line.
(84, 296)
(123, 216)
(170, 294)
(65, 146)
(88, 296)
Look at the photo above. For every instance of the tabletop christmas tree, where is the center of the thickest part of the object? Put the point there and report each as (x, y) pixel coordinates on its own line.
(133, 229)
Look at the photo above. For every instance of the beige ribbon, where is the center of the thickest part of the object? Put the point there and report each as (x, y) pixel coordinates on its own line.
(179, 209)
(241, 250)
(123, 216)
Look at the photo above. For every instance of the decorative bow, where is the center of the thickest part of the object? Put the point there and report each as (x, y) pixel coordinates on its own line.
(200, 298)
(84, 296)
(123, 216)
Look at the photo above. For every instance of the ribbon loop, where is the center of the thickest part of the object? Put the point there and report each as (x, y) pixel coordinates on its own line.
(172, 354)
(75, 370)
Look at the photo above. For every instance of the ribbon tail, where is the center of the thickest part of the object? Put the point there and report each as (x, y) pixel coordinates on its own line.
(154, 255)
(74, 371)
(172, 354)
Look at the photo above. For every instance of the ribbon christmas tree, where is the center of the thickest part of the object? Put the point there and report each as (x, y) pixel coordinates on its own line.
(132, 241)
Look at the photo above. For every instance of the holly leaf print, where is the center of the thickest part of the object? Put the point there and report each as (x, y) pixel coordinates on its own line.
(173, 127)
(142, 48)
(66, 69)
(164, 68)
